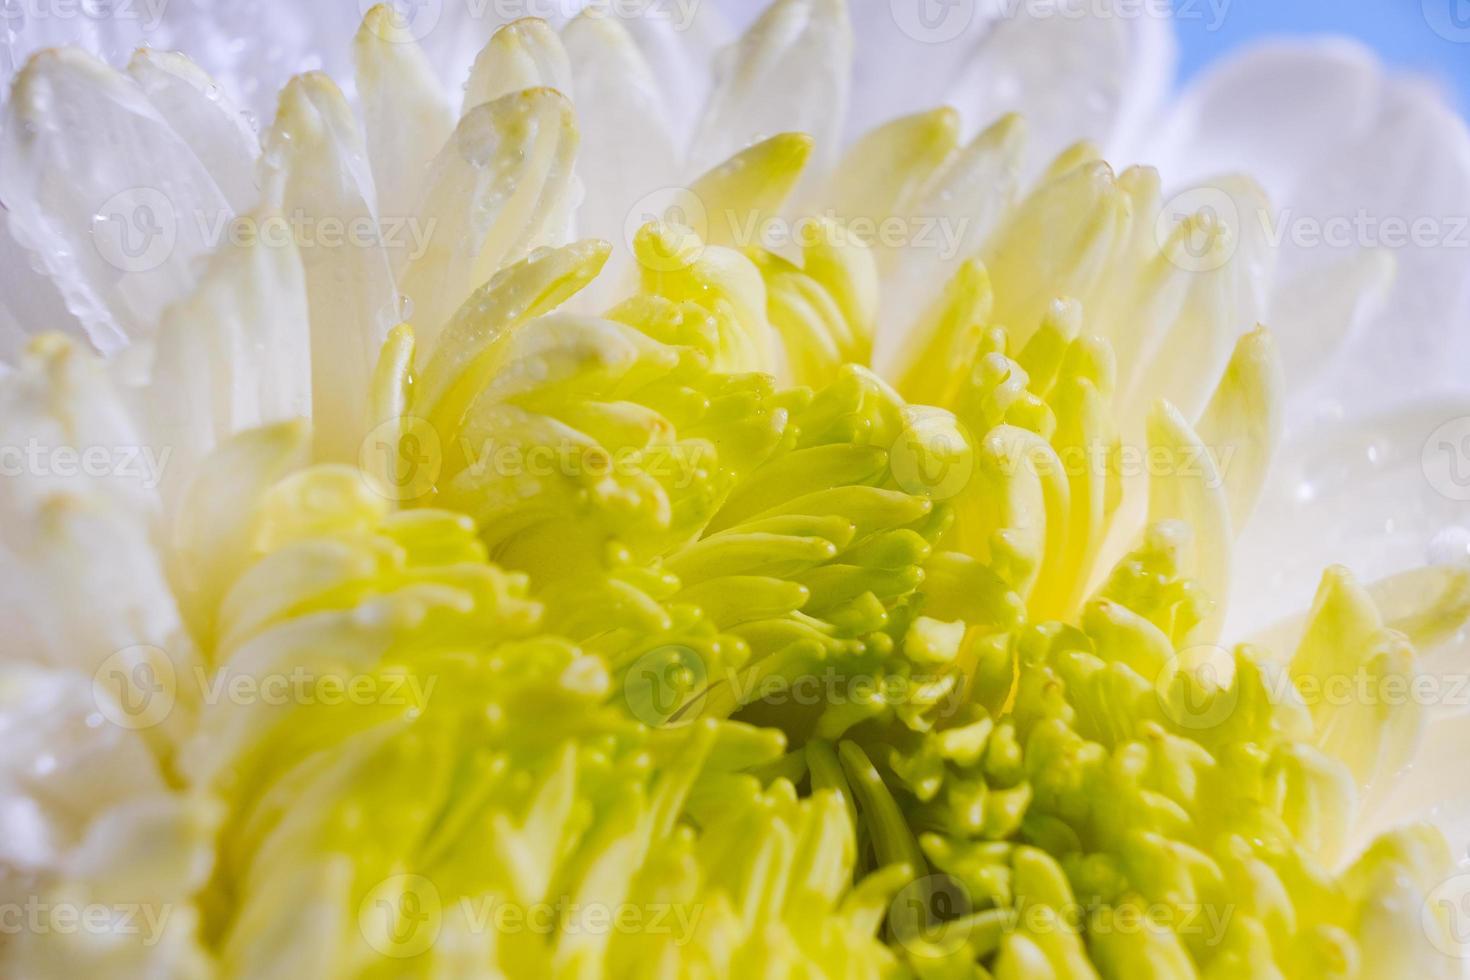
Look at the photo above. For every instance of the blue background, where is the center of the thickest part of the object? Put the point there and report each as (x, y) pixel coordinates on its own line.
(1397, 29)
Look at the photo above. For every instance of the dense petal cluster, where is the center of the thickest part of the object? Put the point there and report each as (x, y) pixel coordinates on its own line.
(686, 603)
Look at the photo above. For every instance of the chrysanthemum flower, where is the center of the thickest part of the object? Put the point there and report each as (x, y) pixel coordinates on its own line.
(569, 533)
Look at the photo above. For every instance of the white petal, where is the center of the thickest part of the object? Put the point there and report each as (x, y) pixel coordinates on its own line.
(500, 188)
(1318, 312)
(52, 571)
(85, 487)
(101, 188)
(680, 41)
(1076, 71)
(910, 57)
(789, 73)
(1242, 425)
(1373, 494)
(154, 849)
(1431, 606)
(33, 27)
(237, 353)
(452, 34)
(1414, 169)
(83, 768)
(30, 303)
(406, 116)
(316, 174)
(1351, 158)
(105, 829)
(249, 62)
(1205, 289)
(204, 117)
(1269, 111)
(1436, 788)
(524, 54)
(628, 150)
(62, 395)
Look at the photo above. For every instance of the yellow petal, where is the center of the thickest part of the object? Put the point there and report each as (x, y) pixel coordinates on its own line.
(1185, 485)
(498, 190)
(1242, 425)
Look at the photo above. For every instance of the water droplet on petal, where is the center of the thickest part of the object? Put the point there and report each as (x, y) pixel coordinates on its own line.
(1450, 546)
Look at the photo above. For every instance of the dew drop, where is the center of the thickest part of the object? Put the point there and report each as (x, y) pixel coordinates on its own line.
(1450, 546)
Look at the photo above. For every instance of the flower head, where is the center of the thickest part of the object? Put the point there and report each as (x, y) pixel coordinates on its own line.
(574, 552)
